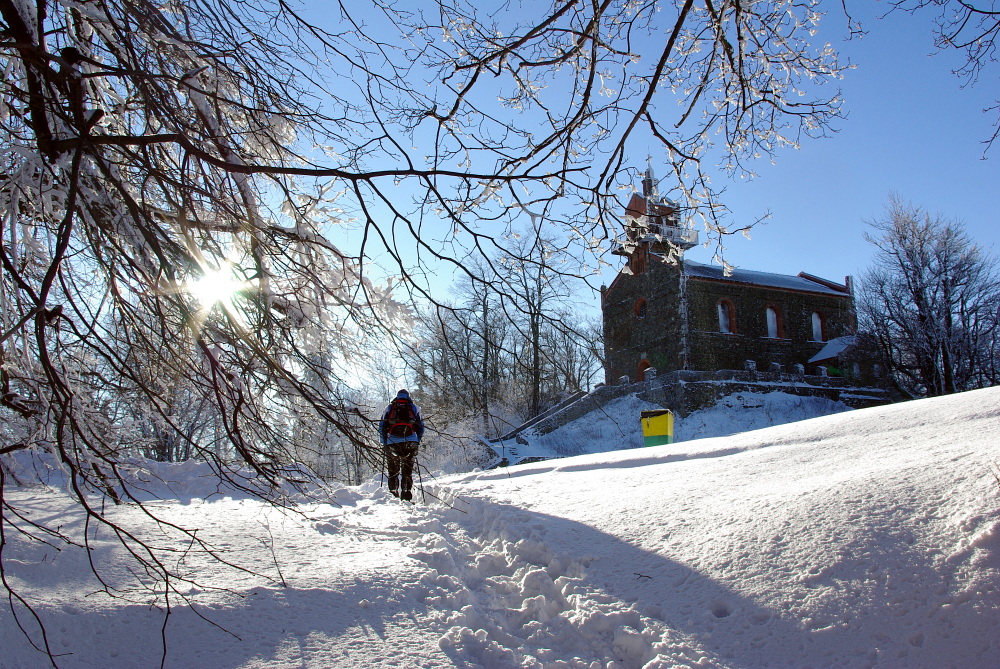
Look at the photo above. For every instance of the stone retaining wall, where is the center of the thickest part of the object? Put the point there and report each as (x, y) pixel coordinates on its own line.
(686, 391)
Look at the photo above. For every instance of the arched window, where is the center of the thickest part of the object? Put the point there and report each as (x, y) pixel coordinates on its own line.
(817, 325)
(641, 370)
(727, 317)
(774, 325)
(640, 308)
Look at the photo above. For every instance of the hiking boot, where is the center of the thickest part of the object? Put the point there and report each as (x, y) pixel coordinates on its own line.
(406, 496)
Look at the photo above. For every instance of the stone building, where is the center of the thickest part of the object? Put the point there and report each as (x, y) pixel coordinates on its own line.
(668, 313)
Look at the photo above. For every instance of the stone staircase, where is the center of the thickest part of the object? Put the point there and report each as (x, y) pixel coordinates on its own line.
(545, 415)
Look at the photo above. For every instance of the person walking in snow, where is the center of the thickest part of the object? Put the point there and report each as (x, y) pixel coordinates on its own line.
(401, 429)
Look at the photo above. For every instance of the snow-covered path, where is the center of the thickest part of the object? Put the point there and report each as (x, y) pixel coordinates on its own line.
(864, 539)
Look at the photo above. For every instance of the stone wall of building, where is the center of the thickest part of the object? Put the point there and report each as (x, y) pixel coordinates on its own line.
(711, 349)
(631, 336)
(655, 335)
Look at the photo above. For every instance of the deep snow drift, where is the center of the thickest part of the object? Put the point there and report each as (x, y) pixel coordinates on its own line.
(863, 539)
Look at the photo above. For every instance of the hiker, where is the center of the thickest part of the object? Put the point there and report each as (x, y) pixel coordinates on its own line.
(400, 429)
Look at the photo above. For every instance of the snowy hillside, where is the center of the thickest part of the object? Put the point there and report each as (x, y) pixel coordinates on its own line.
(616, 425)
(863, 539)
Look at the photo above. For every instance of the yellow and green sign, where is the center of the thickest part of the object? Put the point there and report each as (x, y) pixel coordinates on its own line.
(657, 427)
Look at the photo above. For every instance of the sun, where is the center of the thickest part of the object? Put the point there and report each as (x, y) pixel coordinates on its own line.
(216, 287)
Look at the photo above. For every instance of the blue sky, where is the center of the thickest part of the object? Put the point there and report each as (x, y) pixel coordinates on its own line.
(910, 129)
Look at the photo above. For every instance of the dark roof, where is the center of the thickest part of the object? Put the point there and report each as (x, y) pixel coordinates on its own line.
(803, 282)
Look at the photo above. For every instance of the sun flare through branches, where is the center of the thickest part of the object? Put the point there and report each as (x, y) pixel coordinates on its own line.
(216, 286)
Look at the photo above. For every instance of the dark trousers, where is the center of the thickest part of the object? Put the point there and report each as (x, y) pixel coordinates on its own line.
(399, 462)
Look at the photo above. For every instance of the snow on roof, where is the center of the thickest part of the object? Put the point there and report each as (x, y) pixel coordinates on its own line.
(833, 348)
(804, 282)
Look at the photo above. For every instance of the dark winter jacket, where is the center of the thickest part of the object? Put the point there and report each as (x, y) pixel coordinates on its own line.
(418, 426)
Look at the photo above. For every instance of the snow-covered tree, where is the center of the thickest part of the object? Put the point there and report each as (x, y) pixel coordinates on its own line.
(533, 268)
(932, 301)
(494, 360)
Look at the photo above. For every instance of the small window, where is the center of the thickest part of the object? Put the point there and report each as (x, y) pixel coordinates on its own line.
(641, 370)
(727, 317)
(640, 308)
(774, 326)
(817, 326)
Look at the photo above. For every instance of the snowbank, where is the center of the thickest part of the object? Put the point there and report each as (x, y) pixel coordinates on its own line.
(148, 480)
(861, 539)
